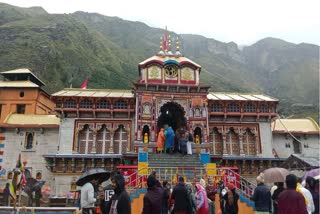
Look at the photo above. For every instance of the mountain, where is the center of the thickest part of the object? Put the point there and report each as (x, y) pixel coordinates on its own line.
(64, 49)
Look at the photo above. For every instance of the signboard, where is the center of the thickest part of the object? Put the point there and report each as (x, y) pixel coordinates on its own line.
(143, 157)
(143, 168)
(108, 194)
(211, 169)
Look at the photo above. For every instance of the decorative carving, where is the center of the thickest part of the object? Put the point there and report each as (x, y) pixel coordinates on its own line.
(187, 74)
(154, 73)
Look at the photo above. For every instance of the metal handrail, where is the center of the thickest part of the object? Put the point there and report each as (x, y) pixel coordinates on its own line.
(136, 180)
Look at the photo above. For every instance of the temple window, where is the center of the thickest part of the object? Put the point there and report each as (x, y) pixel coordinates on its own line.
(233, 107)
(296, 146)
(85, 104)
(21, 108)
(103, 104)
(216, 139)
(29, 140)
(103, 140)
(85, 140)
(120, 104)
(249, 143)
(59, 104)
(250, 107)
(197, 112)
(120, 140)
(232, 143)
(264, 108)
(70, 104)
(216, 107)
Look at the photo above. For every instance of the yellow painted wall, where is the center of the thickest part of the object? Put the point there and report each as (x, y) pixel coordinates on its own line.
(137, 205)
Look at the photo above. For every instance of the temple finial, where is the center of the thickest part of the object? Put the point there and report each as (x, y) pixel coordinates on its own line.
(161, 47)
(169, 43)
(177, 44)
(177, 47)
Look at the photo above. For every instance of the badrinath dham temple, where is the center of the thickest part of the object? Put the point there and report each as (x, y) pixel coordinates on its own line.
(60, 136)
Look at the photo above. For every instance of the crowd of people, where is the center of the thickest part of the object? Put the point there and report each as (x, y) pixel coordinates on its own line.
(184, 198)
(295, 198)
(169, 141)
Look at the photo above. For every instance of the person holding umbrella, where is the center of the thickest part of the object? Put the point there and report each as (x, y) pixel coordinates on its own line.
(87, 196)
(87, 181)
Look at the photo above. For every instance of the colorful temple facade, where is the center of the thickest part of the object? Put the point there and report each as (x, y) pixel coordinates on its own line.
(108, 127)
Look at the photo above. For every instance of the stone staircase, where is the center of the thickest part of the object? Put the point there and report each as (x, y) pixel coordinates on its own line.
(173, 165)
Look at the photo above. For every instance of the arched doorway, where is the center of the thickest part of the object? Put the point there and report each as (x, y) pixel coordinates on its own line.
(172, 114)
(197, 135)
(145, 133)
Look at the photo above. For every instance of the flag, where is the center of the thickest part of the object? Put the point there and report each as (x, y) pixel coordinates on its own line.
(19, 164)
(12, 190)
(84, 84)
(165, 40)
(23, 180)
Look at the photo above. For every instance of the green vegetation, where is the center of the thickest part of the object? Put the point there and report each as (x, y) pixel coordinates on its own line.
(63, 50)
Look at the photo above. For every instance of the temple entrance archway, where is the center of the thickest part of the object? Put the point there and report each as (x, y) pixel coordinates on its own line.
(172, 114)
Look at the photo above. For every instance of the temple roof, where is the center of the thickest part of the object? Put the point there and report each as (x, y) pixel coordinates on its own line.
(77, 92)
(165, 59)
(240, 97)
(18, 84)
(305, 125)
(22, 74)
(32, 119)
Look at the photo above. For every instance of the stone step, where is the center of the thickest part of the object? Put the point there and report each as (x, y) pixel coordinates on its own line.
(171, 156)
(177, 165)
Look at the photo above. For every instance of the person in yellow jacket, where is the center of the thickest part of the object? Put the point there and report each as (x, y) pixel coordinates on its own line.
(307, 196)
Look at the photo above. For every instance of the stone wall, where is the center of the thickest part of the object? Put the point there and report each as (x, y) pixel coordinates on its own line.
(66, 136)
(283, 145)
(266, 140)
(45, 141)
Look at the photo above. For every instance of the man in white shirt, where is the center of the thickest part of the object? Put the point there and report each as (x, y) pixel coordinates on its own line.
(307, 197)
(87, 196)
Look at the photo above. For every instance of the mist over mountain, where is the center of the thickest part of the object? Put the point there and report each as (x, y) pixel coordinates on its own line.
(64, 49)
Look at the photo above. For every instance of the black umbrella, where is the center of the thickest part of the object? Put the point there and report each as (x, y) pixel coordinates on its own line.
(99, 173)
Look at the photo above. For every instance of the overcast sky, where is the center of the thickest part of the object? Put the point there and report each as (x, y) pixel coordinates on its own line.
(241, 21)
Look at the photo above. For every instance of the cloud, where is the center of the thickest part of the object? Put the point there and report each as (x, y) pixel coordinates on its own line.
(243, 21)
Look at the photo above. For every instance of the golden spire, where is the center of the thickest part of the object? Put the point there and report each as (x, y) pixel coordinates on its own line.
(177, 44)
(169, 43)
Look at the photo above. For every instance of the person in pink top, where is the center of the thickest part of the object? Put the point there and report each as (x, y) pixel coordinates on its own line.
(202, 200)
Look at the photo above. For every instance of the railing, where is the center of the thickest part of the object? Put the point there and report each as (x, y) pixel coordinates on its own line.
(243, 186)
(190, 174)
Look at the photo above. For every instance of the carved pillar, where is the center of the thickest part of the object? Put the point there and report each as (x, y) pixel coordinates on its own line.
(93, 163)
(111, 140)
(256, 144)
(241, 143)
(128, 141)
(73, 164)
(94, 135)
(224, 138)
